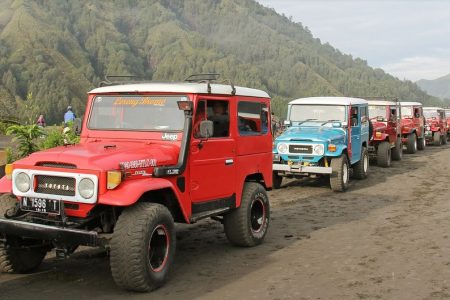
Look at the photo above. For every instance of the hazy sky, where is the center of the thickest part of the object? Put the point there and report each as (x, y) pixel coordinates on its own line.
(409, 39)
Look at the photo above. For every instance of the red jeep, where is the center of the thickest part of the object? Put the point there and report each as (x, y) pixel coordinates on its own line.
(385, 143)
(413, 126)
(150, 155)
(436, 128)
(447, 115)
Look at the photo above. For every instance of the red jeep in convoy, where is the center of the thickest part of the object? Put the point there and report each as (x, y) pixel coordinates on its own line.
(436, 127)
(150, 155)
(447, 115)
(413, 126)
(385, 143)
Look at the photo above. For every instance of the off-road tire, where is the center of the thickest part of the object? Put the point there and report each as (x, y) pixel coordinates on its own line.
(421, 143)
(384, 155)
(361, 168)
(444, 139)
(276, 180)
(339, 177)
(247, 225)
(437, 140)
(15, 257)
(140, 229)
(397, 152)
(412, 145)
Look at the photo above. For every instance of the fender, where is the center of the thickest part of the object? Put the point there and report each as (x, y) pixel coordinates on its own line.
(5, 185)
(134, 189)
(339, 150)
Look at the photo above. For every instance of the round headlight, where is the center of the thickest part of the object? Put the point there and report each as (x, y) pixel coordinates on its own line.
(282, 148)
(86, 188)
(22, 182)
(318, 149)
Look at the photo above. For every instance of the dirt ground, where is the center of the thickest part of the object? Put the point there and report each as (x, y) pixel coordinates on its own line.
(386, 238)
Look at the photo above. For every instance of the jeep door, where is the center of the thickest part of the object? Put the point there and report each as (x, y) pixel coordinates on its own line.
(212, 167)
(359, 131)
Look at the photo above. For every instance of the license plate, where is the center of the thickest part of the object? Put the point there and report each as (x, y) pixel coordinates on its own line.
(40, 205)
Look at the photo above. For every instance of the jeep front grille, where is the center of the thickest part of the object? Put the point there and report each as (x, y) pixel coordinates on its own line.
(304, 149)
(55, 185)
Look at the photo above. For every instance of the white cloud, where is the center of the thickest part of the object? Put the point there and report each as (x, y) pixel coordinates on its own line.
(419, 67)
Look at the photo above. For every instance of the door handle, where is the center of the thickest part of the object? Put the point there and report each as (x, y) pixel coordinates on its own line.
(229, 161)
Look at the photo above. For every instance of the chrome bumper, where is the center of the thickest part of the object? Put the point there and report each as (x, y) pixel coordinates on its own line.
(302, 169)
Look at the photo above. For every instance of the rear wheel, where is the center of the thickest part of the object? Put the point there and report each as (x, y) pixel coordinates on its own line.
(19, 255)
(384, 155)
(276, 180)
(339, 177)
(437, 140)
(411, 146)
(360, 169)
(143, 247)
(397, 152)
(247, 225)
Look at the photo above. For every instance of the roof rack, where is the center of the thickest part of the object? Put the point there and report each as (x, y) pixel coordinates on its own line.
(208, 78)
(115, 79)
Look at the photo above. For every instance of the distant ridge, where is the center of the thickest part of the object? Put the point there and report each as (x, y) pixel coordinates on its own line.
(439, 87)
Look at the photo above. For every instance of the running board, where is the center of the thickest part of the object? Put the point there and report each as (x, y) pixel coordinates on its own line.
(198, 216)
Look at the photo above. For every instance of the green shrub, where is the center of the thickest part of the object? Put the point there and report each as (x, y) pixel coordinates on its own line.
(25, 136)
(54, 138)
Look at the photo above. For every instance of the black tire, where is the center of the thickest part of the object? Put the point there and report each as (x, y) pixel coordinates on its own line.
(384, 155)
(361, 168)
(421, 143)
(276, 180)
(370, 130)
(437, 140)
(339, 177)
(247, 225)
(143, 247)
(397, 152)
(444, 139)
(18, 255)
(411, 146)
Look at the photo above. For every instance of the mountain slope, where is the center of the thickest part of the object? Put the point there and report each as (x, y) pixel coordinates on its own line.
(439, 87)
(59, 50)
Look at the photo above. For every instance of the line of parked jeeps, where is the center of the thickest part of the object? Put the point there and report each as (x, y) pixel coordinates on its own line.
(335, 137)
(152, 154)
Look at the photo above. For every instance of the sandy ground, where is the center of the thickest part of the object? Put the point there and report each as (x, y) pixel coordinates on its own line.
(386, 238)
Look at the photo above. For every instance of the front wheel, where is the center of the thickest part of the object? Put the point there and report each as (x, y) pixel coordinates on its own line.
(397, 152)
(437, 140)
(444, 139)
(276, 180)
(421, 143)
(143, 247)
(339, 177)
(360, 169)
(247, 225)
(384, 155)
(411, 146)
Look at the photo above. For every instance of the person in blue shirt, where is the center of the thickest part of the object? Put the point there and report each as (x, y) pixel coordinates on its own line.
(69, 115)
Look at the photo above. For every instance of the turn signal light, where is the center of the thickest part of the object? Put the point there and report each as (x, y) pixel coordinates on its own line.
(8, 171)
(114, 178)
(332, 148)
(378, 134)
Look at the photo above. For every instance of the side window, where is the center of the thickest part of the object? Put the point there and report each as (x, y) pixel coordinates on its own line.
(416, 112)
(252, 118)
(200, 115)
(354, 116)
(393, 113)
(218, 113)
(364, 114)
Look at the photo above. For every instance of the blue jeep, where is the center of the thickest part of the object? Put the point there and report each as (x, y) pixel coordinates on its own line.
(326, 136)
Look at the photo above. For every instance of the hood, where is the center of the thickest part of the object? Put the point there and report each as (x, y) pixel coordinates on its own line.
(312, 134)
(431, 121)
(379, 126)
(105, 155)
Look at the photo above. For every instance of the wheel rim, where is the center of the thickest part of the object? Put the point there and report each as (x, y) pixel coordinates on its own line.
(257, 215)
(158, 249)
(345, 173)
(366, 163)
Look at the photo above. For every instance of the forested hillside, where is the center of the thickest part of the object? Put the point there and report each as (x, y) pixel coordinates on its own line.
(55, 51)
(439, 87)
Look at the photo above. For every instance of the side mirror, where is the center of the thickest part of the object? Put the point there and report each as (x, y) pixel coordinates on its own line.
(206, 129)
(337, 124)
(287, 123)
(76, 126)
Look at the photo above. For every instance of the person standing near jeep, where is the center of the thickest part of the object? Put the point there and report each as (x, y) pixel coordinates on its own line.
(69, 115)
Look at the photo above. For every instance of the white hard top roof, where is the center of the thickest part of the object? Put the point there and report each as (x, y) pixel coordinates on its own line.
(432, 108)
(410, 103)
(329, 101)
(182, 88)
(381, 102)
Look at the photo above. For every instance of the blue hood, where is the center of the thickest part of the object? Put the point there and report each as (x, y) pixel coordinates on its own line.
(312, 134)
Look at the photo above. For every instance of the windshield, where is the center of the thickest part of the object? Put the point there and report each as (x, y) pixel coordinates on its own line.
(321, 113)
(377, 112)
(137, 112)
(407, 111)
(430, 114)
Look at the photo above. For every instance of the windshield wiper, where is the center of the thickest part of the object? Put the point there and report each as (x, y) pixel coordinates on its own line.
(307, 120)
(329, 121)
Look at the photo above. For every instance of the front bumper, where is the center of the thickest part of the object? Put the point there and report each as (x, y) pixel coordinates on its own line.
(302, 169)
(64, 236)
